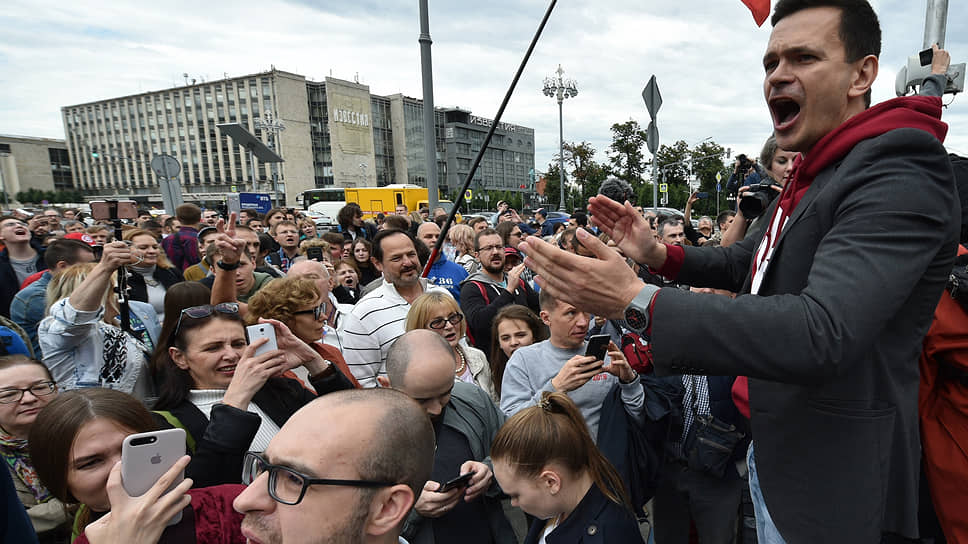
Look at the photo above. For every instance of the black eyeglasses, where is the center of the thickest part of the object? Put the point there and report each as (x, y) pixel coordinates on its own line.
(441, 322)
(317, 312)
(205, 310)
(14, 394)
(288, 486)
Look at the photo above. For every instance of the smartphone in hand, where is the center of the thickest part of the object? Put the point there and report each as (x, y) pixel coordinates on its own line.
(460, 481)
(262, 330)
(146, 457)
(597, 346)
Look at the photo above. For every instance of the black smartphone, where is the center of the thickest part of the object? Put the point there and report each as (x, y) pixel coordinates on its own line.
(927, 56)
(460, 481)
(597, 346)
(314, 253)
(98, 252)
(702, 195)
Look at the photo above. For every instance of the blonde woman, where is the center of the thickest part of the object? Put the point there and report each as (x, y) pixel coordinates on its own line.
(81, 337)
(439, 312)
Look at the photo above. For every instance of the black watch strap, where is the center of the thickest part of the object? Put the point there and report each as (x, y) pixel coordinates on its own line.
(226, 266)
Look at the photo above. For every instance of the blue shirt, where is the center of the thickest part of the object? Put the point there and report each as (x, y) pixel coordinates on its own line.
(447, 274)
(28, 307)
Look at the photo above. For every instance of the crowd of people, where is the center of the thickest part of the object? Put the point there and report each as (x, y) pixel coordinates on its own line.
(756, 381)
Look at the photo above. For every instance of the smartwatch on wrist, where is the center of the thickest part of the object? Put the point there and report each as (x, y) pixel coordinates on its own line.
(637, 312)
(226, 266)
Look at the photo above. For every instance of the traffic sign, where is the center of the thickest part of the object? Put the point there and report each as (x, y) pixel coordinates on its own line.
(652, 97)
(652, 137)
(663, 187)
(719, 176)
(166, 166)
(719, 187)
(468, 194)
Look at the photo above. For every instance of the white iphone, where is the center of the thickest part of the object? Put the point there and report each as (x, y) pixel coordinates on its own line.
(146, 457)
(262, 330)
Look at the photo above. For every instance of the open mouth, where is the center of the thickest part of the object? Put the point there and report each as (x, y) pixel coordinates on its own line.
(785, 112)
(228, 369)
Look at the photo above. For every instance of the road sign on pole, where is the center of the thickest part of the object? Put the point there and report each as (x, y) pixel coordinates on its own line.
(652, 137)
(652, 97)
(663, 187)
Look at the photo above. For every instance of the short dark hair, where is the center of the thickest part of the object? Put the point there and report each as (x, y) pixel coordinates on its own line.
(486, 232)
(580, 218)
(383, 235)
(860, 30)
(547, 301)
(724, 216)
(188, 214)
(64, 249)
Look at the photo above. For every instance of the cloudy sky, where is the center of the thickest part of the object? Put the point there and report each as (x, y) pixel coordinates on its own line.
(705, 54)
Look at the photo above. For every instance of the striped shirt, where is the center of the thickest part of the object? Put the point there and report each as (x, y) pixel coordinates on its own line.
(370, 329)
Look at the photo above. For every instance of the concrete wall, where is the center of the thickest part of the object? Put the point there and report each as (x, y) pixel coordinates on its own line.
(351, 133)
(28, 165)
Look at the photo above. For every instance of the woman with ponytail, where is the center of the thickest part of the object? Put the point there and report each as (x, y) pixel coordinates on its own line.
(546, 461)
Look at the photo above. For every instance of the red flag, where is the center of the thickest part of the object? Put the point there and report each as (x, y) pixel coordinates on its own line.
(760, 9)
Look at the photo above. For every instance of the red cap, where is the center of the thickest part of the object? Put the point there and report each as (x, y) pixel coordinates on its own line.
(82, 236)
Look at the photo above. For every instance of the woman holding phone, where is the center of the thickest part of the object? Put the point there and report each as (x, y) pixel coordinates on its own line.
(439, 312)
(76, 444)
(229, 396)
(546, 461)
(25, 388)
(82, 338)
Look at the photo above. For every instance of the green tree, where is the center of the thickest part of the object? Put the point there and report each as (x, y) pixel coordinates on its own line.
(626, 157)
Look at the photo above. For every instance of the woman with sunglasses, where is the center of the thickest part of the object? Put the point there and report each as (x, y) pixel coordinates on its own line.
(25, 388)
(229, 399)
(440, 313)
(82, 338)
(298, 304)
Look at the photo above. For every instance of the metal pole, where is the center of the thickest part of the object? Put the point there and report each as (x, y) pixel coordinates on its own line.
(429, 114)
(935, 20)
(255, 184)
(655, 184)
(561, 151)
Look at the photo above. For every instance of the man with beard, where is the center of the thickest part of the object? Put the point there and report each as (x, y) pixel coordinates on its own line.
(380, 316)
(489, 289)
(373, 456)
(421, 364)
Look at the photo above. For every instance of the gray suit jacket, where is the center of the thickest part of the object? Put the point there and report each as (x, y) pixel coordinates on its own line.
(831, 343)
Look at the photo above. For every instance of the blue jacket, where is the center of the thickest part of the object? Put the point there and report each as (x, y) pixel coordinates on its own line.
(28, 307)
(596, 520)
(447, 274)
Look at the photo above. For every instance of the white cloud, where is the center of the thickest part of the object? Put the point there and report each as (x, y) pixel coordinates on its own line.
(705, 55)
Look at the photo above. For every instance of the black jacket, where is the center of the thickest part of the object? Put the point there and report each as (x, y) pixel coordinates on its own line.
(221, 443)
(165, 276)
(831, 342)
(596, 520)
(9, 284)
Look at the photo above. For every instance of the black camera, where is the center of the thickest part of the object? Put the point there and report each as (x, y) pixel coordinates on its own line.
(759, 195)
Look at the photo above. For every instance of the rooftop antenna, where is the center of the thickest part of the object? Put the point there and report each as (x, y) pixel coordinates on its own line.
(356, 77)
(185, 75)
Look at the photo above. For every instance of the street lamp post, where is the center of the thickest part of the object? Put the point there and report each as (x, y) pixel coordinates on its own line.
(560, 89)
(271, 126)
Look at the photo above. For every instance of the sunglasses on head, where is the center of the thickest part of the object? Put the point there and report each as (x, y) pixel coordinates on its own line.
(205, 310)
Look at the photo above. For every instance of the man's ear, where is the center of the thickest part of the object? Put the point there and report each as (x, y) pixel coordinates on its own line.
(866, 72)
(178, 357)
(388, 509)
(377, 264)
(545, 317)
